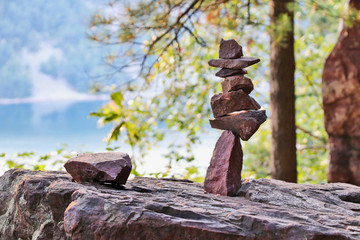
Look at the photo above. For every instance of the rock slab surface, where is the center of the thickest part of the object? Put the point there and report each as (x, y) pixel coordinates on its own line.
(108, 167)
(49, 205)
(245, 123)
(224, 173)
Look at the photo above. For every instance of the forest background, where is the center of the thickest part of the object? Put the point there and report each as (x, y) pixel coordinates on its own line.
(171, 88)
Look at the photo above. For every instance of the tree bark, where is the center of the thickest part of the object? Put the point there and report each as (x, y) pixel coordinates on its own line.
(282, 90)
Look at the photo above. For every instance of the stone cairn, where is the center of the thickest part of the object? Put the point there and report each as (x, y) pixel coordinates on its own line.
(235, 112)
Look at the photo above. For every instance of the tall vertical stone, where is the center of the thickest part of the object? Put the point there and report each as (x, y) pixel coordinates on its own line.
(224, 173)
(341, 99)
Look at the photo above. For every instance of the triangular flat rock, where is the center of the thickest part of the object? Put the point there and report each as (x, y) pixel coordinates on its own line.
(245, 123)
(108, 167)
(224, 103)
(234, 83)
(230, 49)
(226, 72)
(238, 63)
(223, 176)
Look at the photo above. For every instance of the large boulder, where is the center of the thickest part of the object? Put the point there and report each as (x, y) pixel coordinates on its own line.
(49, 205)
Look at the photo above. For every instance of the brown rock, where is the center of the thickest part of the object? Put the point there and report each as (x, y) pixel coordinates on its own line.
(109, 167)
(224, 103)
(223, 176)
(226, 72)
(48, 205)
(341, 101)
(239, 63)
(230, 49)
(237, 82)
(244, 123)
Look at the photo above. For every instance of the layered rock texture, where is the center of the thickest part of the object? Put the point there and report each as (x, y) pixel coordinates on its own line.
(49, 205)
(237, 113)
(341, 100)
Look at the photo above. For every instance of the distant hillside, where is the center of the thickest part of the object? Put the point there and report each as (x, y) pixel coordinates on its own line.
(26, 26)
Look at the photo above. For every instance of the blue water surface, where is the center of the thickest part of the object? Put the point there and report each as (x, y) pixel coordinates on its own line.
(46, 126)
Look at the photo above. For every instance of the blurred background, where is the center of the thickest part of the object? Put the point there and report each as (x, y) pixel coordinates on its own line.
(97, 75)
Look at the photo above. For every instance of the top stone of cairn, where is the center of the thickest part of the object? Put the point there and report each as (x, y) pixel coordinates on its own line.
(230, 49)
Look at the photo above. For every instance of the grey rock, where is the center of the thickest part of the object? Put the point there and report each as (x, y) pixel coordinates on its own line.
(150, 209)
(239, 63)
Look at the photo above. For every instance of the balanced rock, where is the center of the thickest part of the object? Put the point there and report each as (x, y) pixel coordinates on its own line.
(244, 123)
(238, 63)
(234, 83)
(109, 167)
(226, 72)
(230, 49)
(224, 173)
(225, 103)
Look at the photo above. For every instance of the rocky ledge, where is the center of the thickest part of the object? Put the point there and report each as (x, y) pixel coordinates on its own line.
(49, 205)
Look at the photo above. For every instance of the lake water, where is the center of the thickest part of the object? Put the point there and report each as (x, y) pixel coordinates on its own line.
(42, 127)
(45, 126)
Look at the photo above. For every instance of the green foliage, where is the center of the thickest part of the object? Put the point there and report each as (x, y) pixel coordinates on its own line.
(192, 173)
(176, 83)
(170, 51)
(32, 161)
(257, 154)
(313, 44)
(178, 69)
(162, 47)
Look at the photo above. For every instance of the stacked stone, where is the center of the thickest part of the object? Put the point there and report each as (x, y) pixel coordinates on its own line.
(235, 112)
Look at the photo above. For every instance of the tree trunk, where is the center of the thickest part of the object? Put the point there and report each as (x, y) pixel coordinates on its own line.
(340, 90)
(282, 90)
